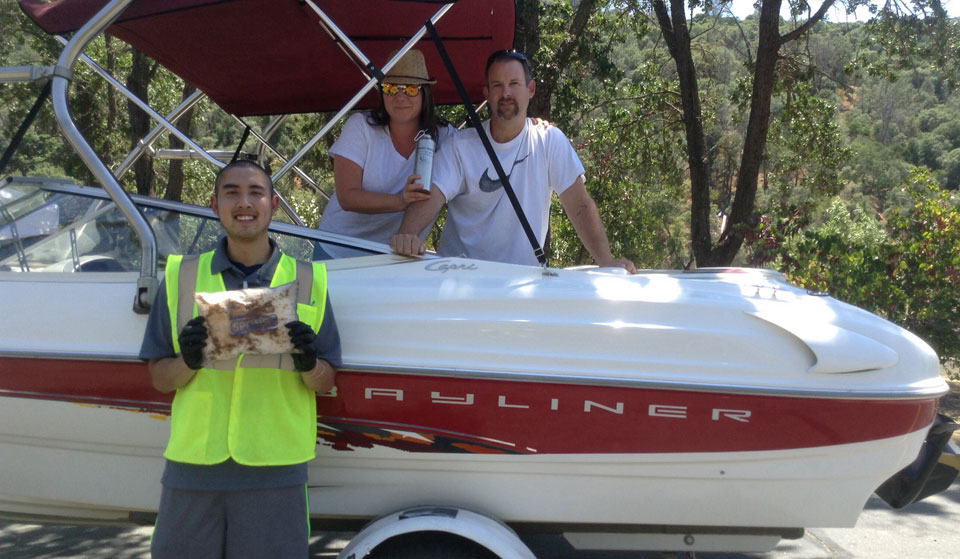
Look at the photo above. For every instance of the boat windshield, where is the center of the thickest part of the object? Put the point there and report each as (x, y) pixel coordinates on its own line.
(49, 226)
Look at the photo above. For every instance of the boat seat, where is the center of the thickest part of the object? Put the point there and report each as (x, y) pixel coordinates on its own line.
(101, 264)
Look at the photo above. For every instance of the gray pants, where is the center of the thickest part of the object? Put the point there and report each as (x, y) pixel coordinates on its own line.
(269, 523)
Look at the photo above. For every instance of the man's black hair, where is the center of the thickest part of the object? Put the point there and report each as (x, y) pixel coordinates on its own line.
(241, 163)
(506, 56)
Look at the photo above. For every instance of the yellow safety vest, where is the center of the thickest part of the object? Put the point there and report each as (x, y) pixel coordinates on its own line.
(255, 410)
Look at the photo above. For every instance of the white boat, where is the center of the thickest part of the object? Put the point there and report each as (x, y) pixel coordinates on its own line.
(708, 410)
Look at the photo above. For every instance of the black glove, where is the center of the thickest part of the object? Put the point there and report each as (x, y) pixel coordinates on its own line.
(302, 337)
(192, 339)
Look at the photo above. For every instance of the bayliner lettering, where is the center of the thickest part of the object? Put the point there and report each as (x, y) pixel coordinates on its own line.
(444, 267)
(618, 408)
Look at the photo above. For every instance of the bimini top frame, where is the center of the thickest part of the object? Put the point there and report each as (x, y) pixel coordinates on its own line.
(259, 57)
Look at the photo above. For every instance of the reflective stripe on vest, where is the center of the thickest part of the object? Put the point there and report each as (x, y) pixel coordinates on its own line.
(254, 409)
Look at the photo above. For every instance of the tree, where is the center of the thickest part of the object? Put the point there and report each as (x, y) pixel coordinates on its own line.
(175, 174)
(527, 39)
(676, 30)
(138, 82)
(951, 167)
(42, 149)
(908, 33)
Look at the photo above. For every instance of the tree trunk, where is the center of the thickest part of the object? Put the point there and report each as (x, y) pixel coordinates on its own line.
(527, 41)
(526, 38)
(175, 175)
(755, 141)
(673, 25)
(112, 110)
(138, 82)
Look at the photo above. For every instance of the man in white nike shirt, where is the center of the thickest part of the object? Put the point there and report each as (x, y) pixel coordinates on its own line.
(537, 159)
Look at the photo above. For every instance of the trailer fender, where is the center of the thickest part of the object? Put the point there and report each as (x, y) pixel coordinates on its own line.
(485, 531)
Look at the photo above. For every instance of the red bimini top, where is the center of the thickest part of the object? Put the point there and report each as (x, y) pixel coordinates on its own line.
(267, 57)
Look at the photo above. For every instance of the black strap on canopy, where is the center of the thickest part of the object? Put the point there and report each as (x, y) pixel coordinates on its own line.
(243, 140)
(376, 72)
(18, 137)
(478, 126)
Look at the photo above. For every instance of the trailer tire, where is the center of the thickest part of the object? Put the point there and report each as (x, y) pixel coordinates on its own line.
(430, 545)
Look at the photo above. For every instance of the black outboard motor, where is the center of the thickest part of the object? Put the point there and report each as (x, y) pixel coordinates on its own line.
(929, 474)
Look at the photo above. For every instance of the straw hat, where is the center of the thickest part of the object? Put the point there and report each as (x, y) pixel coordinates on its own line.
(409, 70)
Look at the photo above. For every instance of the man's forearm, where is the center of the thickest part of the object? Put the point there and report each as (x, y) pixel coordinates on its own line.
(169, 374)
(419, 214)
(594, 237)
(583, 214)
(321, 378)
(417, 217)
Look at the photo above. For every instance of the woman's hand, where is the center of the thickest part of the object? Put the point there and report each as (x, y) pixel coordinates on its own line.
(541, 123)
(413, 191)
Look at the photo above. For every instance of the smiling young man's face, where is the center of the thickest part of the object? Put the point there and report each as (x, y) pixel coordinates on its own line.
(244, 202)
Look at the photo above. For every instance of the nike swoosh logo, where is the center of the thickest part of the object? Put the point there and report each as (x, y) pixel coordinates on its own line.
(489, 185)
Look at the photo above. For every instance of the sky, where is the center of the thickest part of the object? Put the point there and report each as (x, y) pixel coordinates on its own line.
(743, 8)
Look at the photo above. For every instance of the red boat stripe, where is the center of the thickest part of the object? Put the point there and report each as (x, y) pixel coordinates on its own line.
(485, 415)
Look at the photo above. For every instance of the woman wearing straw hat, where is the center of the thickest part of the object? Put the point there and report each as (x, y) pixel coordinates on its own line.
(374, 156)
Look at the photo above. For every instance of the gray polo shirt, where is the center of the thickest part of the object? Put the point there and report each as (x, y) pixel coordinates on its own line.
(158, 344)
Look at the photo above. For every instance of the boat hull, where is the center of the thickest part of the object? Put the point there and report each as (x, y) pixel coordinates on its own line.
(84, 439)
(725, 399)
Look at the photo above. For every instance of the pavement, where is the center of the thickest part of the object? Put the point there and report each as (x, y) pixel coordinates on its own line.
(925, 530)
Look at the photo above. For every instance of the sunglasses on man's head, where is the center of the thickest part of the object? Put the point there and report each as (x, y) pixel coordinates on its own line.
(504, 55)
(391, 89)
(501, 54)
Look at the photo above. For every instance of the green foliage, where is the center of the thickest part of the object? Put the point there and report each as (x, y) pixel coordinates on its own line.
(632, 176)
(806, 151)
(42, 150)
(950, 162)
(618, 112)
(910, 34)
(875, 169)
(907, 270)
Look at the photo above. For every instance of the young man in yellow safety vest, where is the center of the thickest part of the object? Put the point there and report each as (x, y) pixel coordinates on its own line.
(241, 432)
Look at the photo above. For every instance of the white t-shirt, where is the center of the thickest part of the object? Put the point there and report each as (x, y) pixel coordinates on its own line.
(481, 222)
(384, 171)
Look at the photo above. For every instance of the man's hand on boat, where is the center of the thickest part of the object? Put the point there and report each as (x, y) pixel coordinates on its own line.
(619, 263)
(410, 245)
(407, 244)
